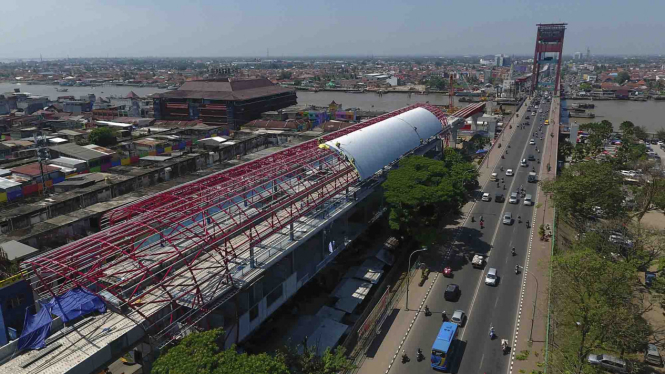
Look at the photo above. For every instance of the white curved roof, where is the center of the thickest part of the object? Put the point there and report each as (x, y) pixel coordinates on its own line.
(378, 145)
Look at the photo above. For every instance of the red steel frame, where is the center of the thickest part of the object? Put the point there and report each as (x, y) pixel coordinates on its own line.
(549, 39)
(193, 242)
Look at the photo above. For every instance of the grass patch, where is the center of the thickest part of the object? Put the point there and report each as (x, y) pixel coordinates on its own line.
(523, 355)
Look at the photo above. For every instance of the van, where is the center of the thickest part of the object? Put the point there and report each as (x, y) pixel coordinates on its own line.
(532, 178)
(608, 362)
(528, 200)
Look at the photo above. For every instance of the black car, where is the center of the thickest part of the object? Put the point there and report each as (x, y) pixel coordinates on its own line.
(532, 158)
(452, 292)
(499, 198)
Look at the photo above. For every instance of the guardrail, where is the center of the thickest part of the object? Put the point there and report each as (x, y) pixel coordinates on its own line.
(13, 279)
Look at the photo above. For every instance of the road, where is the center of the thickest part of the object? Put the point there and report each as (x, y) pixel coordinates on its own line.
(483, 304)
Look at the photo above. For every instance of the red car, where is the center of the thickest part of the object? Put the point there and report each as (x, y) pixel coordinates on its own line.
(447, 272)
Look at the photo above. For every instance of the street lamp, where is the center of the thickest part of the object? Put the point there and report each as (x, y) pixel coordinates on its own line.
(408, 275)
(535, 299)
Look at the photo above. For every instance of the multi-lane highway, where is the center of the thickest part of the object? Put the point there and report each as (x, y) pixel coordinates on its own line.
(484, 305)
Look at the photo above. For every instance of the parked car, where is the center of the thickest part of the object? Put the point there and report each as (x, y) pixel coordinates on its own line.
(452, 292)
(652, 355)
(608, 362)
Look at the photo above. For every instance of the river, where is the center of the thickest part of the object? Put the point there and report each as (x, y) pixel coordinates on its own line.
(103, 91)
(648, 114)
(643, 113)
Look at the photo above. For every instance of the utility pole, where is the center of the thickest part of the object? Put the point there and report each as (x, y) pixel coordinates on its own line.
(42, 155)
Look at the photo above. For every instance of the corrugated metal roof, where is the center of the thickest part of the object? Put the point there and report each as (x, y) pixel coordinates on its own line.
(33, 170)
(17, 250)
(6, 183)
(378, 145)
(76, 151)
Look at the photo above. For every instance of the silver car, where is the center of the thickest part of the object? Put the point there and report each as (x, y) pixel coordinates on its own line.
(491, 277)
(608, 362)
(507, 218)
(458, 318)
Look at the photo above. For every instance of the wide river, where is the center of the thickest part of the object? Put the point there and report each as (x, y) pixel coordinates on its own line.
(649, 114)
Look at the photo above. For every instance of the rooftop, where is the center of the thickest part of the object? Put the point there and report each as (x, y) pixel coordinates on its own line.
(226, 89)
(33, 170)
(78, 152)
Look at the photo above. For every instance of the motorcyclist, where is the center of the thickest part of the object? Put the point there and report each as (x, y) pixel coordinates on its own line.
(502, 168)
(519, 218)
(491, 332)
(427, 312)
(527, 223)
(405, 358)
(517, 269)
(419, 354)
(443, 315)
(513, 251)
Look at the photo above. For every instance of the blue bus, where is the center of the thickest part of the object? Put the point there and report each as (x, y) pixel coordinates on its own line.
(443, 348)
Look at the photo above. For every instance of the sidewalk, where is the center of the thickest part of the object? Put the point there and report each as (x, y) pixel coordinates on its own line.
(530, 339)
(393, 339)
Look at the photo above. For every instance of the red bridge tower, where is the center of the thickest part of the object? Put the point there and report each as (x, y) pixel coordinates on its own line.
(548, 40)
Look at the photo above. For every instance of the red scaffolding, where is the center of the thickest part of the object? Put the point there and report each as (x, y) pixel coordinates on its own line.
(174, 253)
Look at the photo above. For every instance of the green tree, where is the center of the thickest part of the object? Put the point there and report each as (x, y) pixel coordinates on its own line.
(593, 301)
(660, 134)
(304, 359)
(583, 188)
(640, 133)
(565, 149)
(201, 353)
(586, 87)
(627, 128)
(622, 77)
(422, 192)
(103, 136)
(599, 134)
(285, 74)
(437, 82)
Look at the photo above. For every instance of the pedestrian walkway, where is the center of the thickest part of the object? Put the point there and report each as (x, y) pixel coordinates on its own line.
(530, 339)
(392, 341)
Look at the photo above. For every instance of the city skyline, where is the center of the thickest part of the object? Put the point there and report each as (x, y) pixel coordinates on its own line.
(226, 29)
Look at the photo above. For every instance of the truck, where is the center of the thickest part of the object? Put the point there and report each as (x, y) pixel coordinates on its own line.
(478, 261)
(532, 178)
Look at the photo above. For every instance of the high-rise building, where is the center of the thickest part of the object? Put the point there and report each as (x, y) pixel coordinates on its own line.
(501, 60)
(577, 56)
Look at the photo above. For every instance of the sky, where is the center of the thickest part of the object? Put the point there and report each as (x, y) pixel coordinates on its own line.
(220, 28)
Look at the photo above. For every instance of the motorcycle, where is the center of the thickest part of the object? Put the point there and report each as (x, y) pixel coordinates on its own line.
(517, 269)
(420, 356)
(504, 346)
(427, 311)
(502, 157)
(502, 168)
(513, 251)
(405, 358)
(492, 334)
(528, 225)
(443, 316)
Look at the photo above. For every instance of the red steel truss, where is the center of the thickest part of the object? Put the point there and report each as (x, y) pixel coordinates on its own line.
(182, 247)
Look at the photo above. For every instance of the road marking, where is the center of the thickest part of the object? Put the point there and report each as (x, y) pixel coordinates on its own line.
(496, 230)
(518, 316)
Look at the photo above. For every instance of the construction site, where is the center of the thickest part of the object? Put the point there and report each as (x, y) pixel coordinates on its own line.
(223, 251)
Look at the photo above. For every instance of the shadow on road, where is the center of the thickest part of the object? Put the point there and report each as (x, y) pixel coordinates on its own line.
(376, 343)
(461, 348)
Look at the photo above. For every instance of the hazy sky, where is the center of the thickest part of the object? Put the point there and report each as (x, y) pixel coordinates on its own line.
(124, 28)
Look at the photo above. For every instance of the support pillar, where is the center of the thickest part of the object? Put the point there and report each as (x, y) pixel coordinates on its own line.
(291, 235)
(474, 122)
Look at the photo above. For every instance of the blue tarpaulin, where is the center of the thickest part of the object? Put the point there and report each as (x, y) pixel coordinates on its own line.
(481, 151)
(35, 329)
(75, 303)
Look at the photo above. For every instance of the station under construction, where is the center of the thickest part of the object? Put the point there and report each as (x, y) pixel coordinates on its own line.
(225, 250)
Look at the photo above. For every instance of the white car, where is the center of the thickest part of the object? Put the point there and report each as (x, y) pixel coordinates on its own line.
(458, 318)
(513, 198)
(509, 172)
(491, 277)
(533, 113)
(524, 163)
(508, 218)
(532, 141)
(487, 197)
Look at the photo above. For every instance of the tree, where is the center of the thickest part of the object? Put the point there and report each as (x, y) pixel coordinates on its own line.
(201, 353)
(586, 187)
(103, 136)
(599, 134)
(565, 149)
(285, 74)
(421, 192)
(640, 133)
(593, 301)
(585, 87)
(651, 191)
(622, 77)
(304, 359)
(627, 128)
(660, 134)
